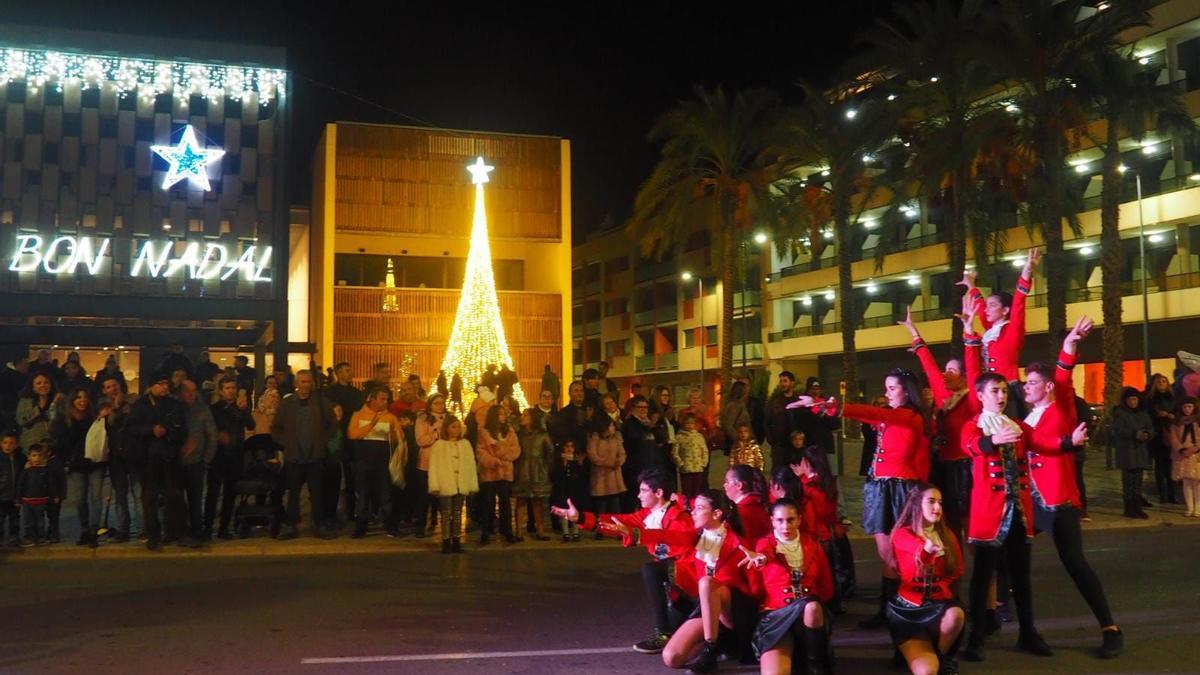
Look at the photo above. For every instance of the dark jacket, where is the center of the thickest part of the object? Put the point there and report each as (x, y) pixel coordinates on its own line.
(349, 397)
(115, 423)
(235, 422)
(205, 371)
(1129, 434)
(201, 436)
(70, 437)
(285, 429)
(818, 429)
(779, 422)
(41, 483)
(140, 441)
(11, 468)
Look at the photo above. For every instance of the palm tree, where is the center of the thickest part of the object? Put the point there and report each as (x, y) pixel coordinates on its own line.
(837, 131)
(719, 158)
(1046, 51)
(936, 73)
(1129, 101)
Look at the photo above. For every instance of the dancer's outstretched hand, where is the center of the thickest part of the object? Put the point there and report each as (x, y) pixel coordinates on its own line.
(615, 527)
(967, 316)
(570, 513)
(908, 323)
(1032, 262)
(968, 280)
(1081, 329)
(751, 558)
(802, 402)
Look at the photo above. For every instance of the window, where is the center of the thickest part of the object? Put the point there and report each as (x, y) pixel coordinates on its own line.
(616, 307)
(615, 348)
(690, 335)
(616, 265)
(363, 269)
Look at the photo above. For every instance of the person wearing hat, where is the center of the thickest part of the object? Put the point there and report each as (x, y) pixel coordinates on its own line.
(156, 430)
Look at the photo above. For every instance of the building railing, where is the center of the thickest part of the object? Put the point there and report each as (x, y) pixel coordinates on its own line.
(649, 362)
(1158, 284)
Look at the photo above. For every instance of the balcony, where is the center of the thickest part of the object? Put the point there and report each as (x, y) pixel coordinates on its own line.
(651, 362)
(654, 271)
(744, 300)
(869, 322)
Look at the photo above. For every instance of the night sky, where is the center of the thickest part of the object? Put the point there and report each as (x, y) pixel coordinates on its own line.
(596, 73)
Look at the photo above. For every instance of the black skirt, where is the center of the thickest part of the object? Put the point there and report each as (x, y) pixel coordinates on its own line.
(954, 480)
(774, 625)
(907, 622)
(883, 499)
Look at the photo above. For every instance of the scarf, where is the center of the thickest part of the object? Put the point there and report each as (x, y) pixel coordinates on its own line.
(791, 551)
(993, 423)
(992, 334)
(708, 547)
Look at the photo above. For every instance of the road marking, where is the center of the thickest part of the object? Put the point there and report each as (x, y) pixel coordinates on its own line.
(461, 656)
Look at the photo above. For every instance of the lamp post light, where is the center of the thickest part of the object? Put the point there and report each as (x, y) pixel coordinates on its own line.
(688, 276)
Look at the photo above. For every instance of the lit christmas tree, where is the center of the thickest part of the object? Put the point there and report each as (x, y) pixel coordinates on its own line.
(477, 339)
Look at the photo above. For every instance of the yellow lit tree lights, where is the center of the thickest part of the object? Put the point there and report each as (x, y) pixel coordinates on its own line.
(477, 339)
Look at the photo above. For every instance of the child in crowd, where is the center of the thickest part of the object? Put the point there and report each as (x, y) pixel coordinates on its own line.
(690, 453)
(531, 485)
(39, 488)
(12, 463)
(746, 450)
(570, 482)
(452, 477)
(606, 454)
(1185, 454)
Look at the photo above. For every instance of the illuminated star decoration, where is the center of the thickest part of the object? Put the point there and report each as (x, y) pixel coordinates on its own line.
(479, 171)
(188, 160)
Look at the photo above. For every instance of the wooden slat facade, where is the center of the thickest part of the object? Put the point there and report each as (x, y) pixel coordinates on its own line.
(401, 180)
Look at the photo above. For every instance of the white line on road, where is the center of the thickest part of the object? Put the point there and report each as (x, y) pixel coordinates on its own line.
(460, 656)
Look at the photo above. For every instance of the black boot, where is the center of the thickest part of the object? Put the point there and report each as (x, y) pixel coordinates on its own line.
(1113, 645)
(706, 661)
(445, 546)
(888, 588)
(1033, 643)
(974, 650)
(816, 651)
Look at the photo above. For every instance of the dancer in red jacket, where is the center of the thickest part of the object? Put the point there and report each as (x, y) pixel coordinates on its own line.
(901, 460)
(1057, 436)
(659, 574)
(926, 618)
(1001, 513)
(954, 406)
(715, 562)
(1003, 318)
(791, 577)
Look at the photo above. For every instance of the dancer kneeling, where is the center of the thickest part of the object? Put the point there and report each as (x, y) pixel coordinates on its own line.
(713, 572)
(658, 575)
(925, 617)
(791, 575)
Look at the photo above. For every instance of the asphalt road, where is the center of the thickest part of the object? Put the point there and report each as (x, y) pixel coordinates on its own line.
(581, 603)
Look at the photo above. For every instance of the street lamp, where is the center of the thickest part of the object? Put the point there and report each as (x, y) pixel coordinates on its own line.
(687, 276)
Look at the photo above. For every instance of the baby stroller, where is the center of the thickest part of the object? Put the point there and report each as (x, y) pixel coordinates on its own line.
(260, 480)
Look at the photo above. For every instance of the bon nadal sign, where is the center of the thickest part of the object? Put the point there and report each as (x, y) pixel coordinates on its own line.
(69, 254)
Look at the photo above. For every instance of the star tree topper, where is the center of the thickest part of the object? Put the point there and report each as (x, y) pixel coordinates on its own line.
(479, 171)
(188, 160)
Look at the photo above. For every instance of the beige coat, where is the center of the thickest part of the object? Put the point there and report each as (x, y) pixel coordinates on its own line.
(607, 456)
(452, 469)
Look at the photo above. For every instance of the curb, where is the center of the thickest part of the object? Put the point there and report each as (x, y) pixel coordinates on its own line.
(380, 545)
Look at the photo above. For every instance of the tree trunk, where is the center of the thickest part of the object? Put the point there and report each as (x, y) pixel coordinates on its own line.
(726, 337)
(848, 313)
(1113, 343)
(956, 223)
(1054, 264)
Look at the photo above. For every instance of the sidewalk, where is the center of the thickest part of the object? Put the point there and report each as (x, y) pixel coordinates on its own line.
(1104, 506)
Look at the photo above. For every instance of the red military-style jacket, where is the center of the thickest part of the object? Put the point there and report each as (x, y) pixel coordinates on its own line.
(825, 524)
(903, 448)
(954, 408)
(989, 491)
(772, 583)
(755, 521)
(1051, 454)
(1004, 354)
(689, 569)
(923, 575)
(676, 518)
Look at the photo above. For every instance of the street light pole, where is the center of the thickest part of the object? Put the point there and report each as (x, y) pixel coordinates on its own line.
(1145, 294)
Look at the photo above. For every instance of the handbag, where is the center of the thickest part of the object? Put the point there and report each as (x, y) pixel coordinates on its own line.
(95, 444)
(336, 440)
